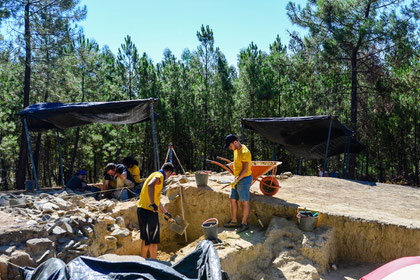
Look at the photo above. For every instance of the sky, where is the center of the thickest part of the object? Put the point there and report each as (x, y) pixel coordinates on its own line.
(160, 24)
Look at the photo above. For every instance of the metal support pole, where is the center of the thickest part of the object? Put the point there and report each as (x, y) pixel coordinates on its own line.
(328, 144)
(61, 162)
(155, 146)
(30, 152)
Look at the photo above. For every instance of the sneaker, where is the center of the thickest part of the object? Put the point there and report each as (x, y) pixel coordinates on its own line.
(241, 228)
(231, 224)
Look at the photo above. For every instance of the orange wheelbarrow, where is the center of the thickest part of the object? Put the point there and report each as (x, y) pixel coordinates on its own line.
(269, 185)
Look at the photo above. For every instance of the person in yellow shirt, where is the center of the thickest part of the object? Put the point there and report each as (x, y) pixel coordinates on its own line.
(147, 210)
(133, 167)
(242, 183)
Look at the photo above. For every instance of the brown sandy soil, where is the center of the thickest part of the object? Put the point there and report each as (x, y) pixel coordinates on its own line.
(384, 203)
(387, 203)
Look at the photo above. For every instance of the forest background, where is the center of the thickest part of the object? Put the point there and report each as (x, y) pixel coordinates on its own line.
(359, 61)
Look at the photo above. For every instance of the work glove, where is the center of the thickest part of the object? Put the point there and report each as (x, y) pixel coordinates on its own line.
(154, 207)
(168, 216)
(233, 184)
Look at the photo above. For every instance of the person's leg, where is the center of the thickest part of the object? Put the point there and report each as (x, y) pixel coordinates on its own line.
(142, 215)
(144, 249)
(153, 250)
(234, 210)
(245, 212)
(243, 191)
(233, 200)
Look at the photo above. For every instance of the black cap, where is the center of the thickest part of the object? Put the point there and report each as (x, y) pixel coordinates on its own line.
(229, 139)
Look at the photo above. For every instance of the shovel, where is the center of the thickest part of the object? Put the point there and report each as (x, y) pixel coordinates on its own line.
(177, 225)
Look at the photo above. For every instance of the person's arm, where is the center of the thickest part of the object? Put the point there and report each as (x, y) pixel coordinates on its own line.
(244, 171)
(105, 185)
(151, 191)
(123, 175)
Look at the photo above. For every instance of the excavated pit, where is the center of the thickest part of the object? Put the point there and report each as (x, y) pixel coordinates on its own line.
(360, 227)
(345, 244)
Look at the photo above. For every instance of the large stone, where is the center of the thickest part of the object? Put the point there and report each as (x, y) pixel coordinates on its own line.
(120, 233)
(4, 201)
(67, 227)
(61, 203)
(108, 220)
(21, 258)
(49, 207)
(45, 195)
(17, 202)
(106, 205)
(39, 245)
(3, 267)
(56, 230)
(120, 221)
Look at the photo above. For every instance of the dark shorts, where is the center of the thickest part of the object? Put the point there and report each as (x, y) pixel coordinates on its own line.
(149, 226)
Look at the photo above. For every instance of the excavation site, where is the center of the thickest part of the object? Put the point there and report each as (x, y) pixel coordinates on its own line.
(359, 226)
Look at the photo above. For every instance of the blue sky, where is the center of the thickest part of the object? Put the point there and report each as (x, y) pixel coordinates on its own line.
(156, 25)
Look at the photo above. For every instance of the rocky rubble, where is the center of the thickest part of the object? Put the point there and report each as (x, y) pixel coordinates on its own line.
(35, 227)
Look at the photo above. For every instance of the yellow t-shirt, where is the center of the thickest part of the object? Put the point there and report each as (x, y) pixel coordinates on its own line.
(240, 156)
(144, 200)
(135, 172)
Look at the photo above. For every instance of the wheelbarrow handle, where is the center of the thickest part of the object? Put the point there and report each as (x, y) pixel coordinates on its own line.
(221, 165)
(224, 159)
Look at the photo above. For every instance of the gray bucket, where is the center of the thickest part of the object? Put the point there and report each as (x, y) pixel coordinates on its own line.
(306, 221)
(210, 228)
(201, 178)
(29, 185)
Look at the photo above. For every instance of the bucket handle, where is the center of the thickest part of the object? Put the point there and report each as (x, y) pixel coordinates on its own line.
(210, 220)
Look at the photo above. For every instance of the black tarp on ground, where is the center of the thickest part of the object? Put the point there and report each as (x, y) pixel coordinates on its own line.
(202, 264)
(43, 116)
(305, 136)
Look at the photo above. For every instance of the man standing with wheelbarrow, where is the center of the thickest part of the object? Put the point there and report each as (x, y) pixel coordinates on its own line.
(242, 183)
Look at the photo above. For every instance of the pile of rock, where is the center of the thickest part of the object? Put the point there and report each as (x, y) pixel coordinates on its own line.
(35, 227)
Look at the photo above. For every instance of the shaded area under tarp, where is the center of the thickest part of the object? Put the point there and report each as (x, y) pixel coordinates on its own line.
(43, 116)
(305, 137)
(203, 263)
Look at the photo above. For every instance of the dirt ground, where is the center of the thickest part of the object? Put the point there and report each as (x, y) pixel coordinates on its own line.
(378, 202)
(387, 203)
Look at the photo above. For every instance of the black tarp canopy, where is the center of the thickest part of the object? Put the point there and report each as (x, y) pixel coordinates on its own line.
(44, 116)
(306, 137)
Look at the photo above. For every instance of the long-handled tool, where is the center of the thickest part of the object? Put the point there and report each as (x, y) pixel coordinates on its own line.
(177, 225)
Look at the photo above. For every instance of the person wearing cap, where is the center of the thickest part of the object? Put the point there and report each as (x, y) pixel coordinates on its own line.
(242, 183)
(77, 183)
(148, 207)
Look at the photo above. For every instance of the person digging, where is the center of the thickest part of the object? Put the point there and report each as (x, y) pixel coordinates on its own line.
(242, 183)
(147, 210)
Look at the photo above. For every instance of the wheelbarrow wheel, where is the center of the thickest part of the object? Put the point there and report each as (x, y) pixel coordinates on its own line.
(265, 184)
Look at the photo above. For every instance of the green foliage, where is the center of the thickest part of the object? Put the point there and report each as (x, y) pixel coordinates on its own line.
(202, 98)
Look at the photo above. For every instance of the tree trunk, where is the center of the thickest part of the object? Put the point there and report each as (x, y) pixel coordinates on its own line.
(353, 114)
(416, 162)
(4, 175)
(23, 151)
